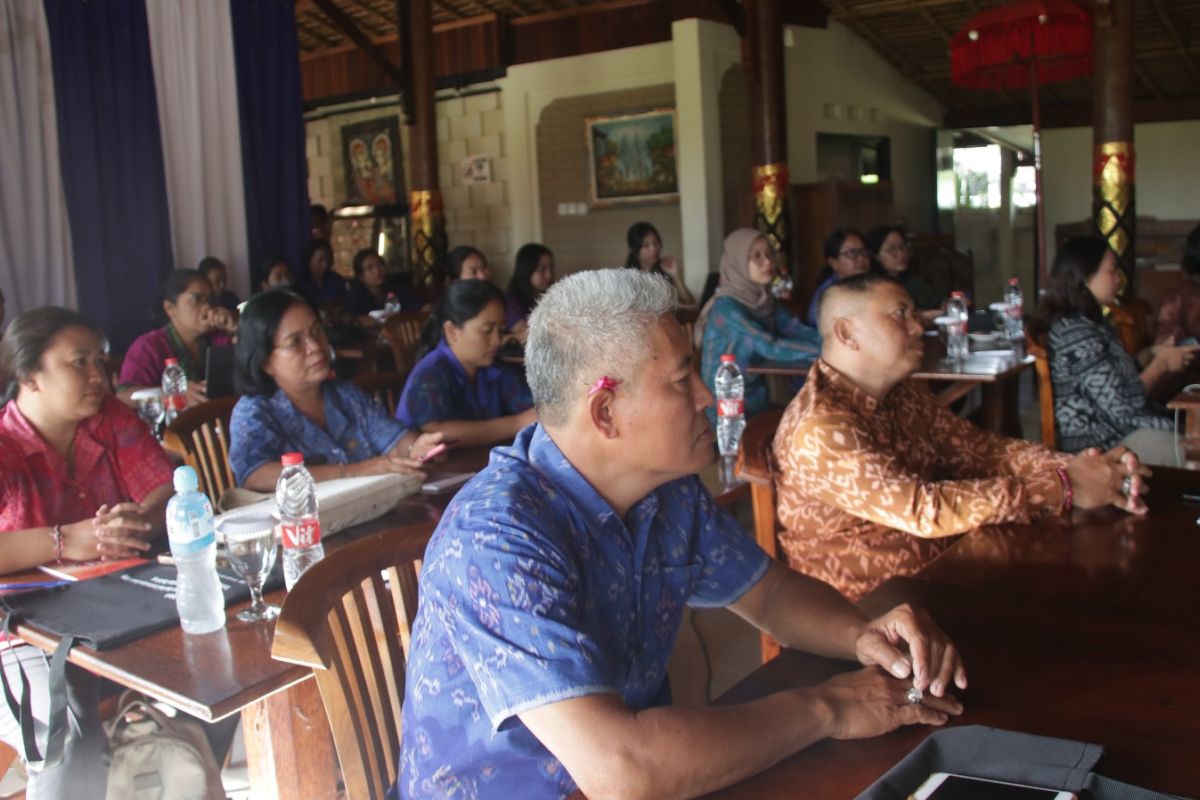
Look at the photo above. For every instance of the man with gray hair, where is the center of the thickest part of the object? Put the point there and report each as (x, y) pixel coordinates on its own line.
(555, 584)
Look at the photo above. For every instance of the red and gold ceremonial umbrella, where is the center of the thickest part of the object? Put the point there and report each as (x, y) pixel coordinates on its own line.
(1021, 44)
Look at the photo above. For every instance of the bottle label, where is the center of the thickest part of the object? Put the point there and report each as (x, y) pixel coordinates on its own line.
(730, 407)
(191, 532)
(304, 533)
(174, 402)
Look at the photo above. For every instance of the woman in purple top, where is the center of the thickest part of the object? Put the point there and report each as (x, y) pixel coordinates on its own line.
(532, 275)
(193, 323)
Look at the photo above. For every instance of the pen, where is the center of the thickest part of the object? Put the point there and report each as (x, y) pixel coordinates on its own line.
(1190, 498)
(33, 585)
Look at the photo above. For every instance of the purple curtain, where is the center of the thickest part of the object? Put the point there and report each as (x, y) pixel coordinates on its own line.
(110, 150)
(270, 103)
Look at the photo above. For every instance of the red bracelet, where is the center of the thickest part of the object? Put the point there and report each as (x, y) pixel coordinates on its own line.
(1068, 492)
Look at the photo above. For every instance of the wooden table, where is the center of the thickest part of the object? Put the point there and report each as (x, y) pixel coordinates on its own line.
(996, 375)
(288, 745)
(1085, 632)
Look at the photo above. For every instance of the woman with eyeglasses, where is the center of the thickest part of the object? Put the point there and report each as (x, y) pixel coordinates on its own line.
(845, 255)
(291, 404)
(743, 319)
(888, 245)
(191, 322)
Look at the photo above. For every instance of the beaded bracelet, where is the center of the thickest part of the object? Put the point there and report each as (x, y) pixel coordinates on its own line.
(57, 536)
(1068, 492)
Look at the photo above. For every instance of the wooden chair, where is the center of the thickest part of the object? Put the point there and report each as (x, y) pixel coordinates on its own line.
(756, 465)
(352, 629)
(384, 387)
(686, 317)
(403, 332)
(1041, 363)
(200, 436)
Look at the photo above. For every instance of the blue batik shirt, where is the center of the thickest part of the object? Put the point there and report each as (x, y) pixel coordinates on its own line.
(263, 428)
(533, 592)
(438, 390)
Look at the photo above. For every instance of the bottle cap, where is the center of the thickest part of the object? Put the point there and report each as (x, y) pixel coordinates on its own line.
(292, 459)
(248, 524)
(728, 358)
(185, 479)
(171, 362)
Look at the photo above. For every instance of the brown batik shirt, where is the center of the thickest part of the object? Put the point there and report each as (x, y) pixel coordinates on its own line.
(870, 489)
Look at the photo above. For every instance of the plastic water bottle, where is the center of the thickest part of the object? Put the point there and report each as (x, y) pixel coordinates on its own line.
(731, 418)
(1014, 310)
(957, 347)
(391, 305)
(198, 595)
(296, 497)
(174, 390)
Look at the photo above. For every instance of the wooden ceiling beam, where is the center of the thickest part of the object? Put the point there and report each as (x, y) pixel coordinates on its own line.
(344, 23)
(313, 30)
(1075, 115)
(881, 8)
(1145, 78)
(1180, 47)
(384, 19)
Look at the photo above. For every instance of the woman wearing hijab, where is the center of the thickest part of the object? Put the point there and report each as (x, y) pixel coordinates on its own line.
(742, 318)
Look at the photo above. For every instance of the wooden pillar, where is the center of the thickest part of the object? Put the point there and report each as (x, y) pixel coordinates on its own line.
(1114, 211)
(427, 220)
(763, 49)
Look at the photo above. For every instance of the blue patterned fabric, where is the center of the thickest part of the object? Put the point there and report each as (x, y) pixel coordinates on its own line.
(731, 328)
(264, 428)
(815, 303)
(438, 390)
(533, 592)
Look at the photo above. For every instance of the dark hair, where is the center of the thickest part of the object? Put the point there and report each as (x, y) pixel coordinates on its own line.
(272, 260)
(174, 283)
(313, 246)
(360, 258)
(318, 213)
(634, 237)
(26, 339)
(878, 235)
(1191, 253)
(455, 259)
(257, 327)
(208, 264)
(834, 241)
(860, 283)
(519, 286)
(1067, 293)
(462, 302)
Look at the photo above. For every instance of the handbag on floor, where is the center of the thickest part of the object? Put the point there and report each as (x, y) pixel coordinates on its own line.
(158, 757)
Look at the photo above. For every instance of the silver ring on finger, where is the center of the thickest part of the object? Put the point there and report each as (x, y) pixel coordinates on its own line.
(1127, 485)
(914, 696)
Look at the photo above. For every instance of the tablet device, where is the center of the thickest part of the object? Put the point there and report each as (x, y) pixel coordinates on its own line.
(218, 371)
(945, 786)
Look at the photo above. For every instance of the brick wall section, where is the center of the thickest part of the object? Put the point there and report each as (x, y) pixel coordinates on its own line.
(596, 239)
(478, 215)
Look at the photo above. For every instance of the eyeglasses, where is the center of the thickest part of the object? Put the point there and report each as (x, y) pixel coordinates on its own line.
(894, 249)
(297, 341)
(856, 252)
(200, 298)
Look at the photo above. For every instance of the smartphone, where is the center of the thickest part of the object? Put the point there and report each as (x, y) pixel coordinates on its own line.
(945, 786)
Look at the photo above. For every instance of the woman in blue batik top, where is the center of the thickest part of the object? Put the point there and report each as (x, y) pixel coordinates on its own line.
(742, 318)
(457, 388)
(290, 404)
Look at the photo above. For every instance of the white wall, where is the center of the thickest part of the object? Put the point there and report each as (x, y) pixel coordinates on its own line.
(1168, 173)
(836, 83)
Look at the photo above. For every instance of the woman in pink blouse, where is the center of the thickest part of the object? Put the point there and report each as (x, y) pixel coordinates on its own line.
(80, 478)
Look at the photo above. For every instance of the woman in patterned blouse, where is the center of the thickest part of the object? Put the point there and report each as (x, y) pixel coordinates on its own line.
(80, 477)
(457, 387)
(1101, 399)
(290, 403)
(742, 319)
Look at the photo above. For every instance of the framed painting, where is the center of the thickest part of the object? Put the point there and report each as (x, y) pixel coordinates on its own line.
(631, 158)
(371, 156)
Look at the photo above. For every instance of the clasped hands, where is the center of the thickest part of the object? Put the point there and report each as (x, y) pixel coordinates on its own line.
(114, 532)
(1099, 479)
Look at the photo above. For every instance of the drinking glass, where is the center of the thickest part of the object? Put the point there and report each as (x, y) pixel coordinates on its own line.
(251, 548)
(781, 286)
(149, 406)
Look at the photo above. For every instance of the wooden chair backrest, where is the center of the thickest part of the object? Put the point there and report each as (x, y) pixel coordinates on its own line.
(384, 387)
(1041, 363)
(200, 436)
(1127, 329)
(686, 317)
(352, 630)
(756, 465)
(403, 332)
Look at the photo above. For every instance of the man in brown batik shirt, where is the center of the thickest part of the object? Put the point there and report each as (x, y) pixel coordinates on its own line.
(875, 478)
